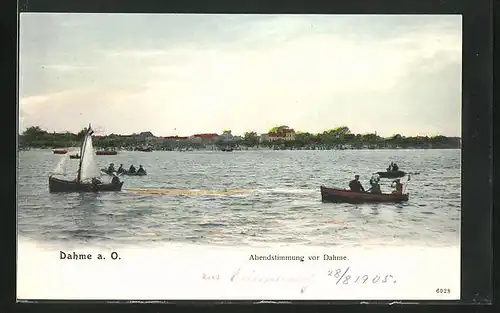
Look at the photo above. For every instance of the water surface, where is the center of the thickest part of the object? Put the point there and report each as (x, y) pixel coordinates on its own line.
(278, 200)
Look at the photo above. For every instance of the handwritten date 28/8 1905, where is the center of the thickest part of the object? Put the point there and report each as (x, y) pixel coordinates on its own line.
(343, 276)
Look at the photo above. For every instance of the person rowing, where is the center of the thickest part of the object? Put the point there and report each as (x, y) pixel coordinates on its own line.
(132, 169)
(141, 170)
(395, 167)
(121, 169)
(111, 168)
(389, 169)
(355, 185)
(398, 185)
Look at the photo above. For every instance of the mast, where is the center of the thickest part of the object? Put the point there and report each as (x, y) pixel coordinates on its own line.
(82, 150)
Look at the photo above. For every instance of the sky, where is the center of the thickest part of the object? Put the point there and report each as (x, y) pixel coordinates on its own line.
(183, 74)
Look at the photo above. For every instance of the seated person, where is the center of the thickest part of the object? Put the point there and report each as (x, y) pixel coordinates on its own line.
(389, 169)
(399, 186)
(141, 169)
(395, 167)
(131, 169)
(115, 180)
(121, 169)
(111, 168)
(355, 185)
(375, 186)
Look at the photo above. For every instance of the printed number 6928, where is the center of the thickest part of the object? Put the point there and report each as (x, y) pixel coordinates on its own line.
(443, 290)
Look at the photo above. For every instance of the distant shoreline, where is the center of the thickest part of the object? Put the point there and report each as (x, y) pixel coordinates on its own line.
(277, 138)
(249, 149)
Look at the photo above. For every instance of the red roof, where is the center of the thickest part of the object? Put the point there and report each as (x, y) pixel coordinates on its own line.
(210, 135)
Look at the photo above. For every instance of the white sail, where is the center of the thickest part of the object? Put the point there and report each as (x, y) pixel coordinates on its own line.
(61, 166)
(89, 168)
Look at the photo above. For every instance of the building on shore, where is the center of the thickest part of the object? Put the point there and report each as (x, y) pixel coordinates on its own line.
(209, 139)
(282, 133)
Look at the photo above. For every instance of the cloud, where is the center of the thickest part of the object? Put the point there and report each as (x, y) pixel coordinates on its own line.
(67, 67)
(134, 53)
(312, 73)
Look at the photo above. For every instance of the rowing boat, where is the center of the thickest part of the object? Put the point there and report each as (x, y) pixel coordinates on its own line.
(391, 174)
(347, 196)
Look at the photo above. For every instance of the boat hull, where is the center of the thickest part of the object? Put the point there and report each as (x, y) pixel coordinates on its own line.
(74, 157)
(59, 151)
(347, 196)
(60, 185)
(396, 174)
(106, 152)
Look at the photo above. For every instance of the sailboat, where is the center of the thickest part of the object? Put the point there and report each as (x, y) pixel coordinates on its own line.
(87, 172)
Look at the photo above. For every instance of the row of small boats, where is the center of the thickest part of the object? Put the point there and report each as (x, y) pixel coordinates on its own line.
(77, 156)
(124, 172)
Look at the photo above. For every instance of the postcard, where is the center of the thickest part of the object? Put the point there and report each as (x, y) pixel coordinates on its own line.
(223, 157)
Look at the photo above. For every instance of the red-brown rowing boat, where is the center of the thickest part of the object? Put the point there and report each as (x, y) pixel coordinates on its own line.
(348, 196)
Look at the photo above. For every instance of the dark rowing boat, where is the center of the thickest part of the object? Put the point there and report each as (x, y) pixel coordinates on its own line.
(74, 156)
(60, 185)
(347, 196)
(87, 173)
(106, 152)
(106, 171)
(391, 174)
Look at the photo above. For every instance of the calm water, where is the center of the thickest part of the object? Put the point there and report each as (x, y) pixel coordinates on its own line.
(280, 201)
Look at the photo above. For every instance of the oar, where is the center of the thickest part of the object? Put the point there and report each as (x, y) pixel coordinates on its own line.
(115, 172)
(407, 182)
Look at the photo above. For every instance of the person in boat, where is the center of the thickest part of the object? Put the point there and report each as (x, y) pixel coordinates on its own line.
(389, 169)
(395, 167)
(398, 185)
(115, 180)
(375, 186)
(96, 181)
(141, 170)
(121, 169)
(355, 185)
(111, 168)
(132, 169)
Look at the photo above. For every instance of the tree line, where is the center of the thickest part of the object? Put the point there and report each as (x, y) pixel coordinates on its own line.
(338, 137)
(342, 136)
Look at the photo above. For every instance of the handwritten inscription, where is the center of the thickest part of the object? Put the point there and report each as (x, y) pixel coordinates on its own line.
(343, 276)
(241, 275)
(86, 256)
(210, 277)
